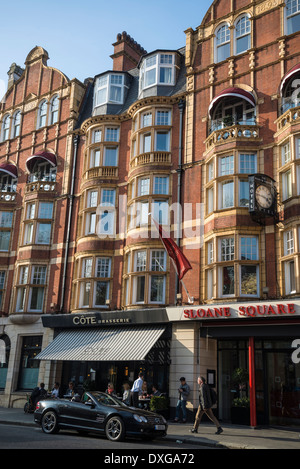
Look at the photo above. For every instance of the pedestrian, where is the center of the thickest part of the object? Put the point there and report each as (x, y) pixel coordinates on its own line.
(205, 405)
(136, 390)
(183, 393)
(38, 394)
(126, 394)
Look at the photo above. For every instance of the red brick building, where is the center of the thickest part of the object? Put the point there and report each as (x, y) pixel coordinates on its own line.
(212, 128)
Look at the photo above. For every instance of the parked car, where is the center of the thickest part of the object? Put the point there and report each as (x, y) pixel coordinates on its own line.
(101, 413)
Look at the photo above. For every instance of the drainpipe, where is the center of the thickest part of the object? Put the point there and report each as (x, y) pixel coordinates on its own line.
(71, 198)
(181, 106)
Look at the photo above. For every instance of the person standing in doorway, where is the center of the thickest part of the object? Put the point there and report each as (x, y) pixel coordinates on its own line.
(205, 405)
(184, 391)
(136, 390)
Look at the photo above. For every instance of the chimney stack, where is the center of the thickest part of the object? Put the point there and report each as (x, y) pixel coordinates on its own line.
(127, 53)
(14, 73)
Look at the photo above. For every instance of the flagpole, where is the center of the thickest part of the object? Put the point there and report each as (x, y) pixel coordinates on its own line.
(190, 298)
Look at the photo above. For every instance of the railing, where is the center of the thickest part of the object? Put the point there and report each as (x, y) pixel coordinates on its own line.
(158, 157)
(229, 121)
(39, 177)
(235, 132)
(100, 172)
(289, 117)
(289, 103)
(40, 186)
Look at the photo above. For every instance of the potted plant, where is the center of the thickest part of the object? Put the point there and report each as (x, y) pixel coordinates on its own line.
(160, 405)
(240, 410)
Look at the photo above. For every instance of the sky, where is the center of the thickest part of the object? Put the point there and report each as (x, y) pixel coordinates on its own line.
(78, 35)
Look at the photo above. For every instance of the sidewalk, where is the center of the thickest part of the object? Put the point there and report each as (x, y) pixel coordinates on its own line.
(233, 437)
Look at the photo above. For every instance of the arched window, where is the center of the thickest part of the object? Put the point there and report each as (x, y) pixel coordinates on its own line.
(16, 124)
(292, 16)
(242, 34)
(54, 104)
(222, 42)
(5, 128)
(42, 114)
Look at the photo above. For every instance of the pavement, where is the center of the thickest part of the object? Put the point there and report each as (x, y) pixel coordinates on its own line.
(233, 437)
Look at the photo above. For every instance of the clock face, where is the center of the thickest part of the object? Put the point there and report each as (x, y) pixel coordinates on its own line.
(264, 196)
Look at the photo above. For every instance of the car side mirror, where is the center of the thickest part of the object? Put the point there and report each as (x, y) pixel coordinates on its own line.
(90, 404)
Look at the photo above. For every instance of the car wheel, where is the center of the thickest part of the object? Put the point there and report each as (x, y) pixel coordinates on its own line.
(49, 422)
(115, 429)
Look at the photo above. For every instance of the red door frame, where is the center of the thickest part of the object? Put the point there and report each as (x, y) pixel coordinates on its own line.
(253, 418)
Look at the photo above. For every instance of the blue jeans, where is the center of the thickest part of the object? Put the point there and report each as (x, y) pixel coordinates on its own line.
(181, 404)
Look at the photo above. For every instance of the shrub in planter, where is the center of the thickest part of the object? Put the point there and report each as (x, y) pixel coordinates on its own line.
(240, 411)
(160, 405)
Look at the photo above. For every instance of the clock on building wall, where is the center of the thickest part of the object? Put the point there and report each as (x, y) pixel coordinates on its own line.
(262, 196)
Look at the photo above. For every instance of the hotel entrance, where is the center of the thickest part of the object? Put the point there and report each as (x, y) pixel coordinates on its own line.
(277, 382)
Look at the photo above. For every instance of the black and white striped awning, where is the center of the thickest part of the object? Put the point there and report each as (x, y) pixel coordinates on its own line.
(130, 343)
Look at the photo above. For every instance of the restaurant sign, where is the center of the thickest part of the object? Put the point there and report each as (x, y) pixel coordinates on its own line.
(235, 311)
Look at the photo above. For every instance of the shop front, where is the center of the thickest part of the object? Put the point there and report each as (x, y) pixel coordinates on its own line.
(257, 359)
(95, 349)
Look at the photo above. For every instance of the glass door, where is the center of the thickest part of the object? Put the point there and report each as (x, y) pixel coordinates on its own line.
(283, 381)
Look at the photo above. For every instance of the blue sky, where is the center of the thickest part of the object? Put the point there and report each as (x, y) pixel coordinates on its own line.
(78, 35)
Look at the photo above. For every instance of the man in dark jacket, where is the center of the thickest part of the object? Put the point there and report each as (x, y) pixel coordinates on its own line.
(183, 393)
(205, 405)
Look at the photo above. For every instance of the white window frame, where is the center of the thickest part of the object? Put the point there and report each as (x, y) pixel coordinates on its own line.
(42, 114)
(288, 243)
(293, 14)
(16, 123)
(287, 185)
(286, 155)
(222, 206)
(244, 35)
(225, 42)
(254, 249)
(5, 128)
(287, 268)
(53, 110)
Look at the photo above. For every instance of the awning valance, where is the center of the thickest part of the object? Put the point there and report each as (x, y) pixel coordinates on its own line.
(41, 155)
(127, 343)
(290, 74)
(9, 169)
(234, 92)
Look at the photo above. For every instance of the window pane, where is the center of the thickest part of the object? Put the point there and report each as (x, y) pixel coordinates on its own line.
(249, 249)
(112, 135)
(115, 94)
(228, 281)
(163, 117)
(162, 141)
(20, 299)
(39, 275)
(45, 210)
(165, 75)
(223, 52)
(140, 289)
(28, 233)
(147, 119)
(4, 240)
(150, 77)
(248, 164)
(103, 267)
(157, 289)
(226, 165)
(227, 194)
(244, 194)
(242, 44)
(144, 186)
(87, 268)
(248, 280)
(140, 259)
(92, 198)
(108, 197)
(6, 219)
(160, 210)
(293, 24)
(146, 143)
(85, 294)
(158, 261)
(37, 298)
(161, 185)
(101, 293)
(43, 233)
(227, 249)
(110, 156)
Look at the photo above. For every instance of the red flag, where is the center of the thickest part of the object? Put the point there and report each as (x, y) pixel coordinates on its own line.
(181, 263)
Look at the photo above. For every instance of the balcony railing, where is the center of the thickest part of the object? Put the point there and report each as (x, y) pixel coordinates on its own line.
(40, 186)
(234, 132)
(289, 103)
(229, 121)
(291, 116)
(100, 172)
(157, 157)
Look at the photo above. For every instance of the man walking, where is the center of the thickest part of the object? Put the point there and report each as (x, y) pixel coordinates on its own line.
(205, 405)
(136, 390)
(184, 391)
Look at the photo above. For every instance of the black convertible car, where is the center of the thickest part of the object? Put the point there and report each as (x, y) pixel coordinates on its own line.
(101, 413)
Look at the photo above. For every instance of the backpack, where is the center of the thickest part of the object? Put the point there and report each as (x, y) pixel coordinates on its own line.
(213, 396)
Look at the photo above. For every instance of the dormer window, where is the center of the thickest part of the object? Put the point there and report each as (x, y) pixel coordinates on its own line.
(157, 69)
(109, 89)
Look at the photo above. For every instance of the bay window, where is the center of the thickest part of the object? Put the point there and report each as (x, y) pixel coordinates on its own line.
(31, 285)
(6, 219)
(157, 69)
(38, 223)
(94, 282)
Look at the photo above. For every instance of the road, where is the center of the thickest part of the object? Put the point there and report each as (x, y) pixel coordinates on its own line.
(21, 437)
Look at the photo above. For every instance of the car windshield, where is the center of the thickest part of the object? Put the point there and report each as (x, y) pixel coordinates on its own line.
(105, 399)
